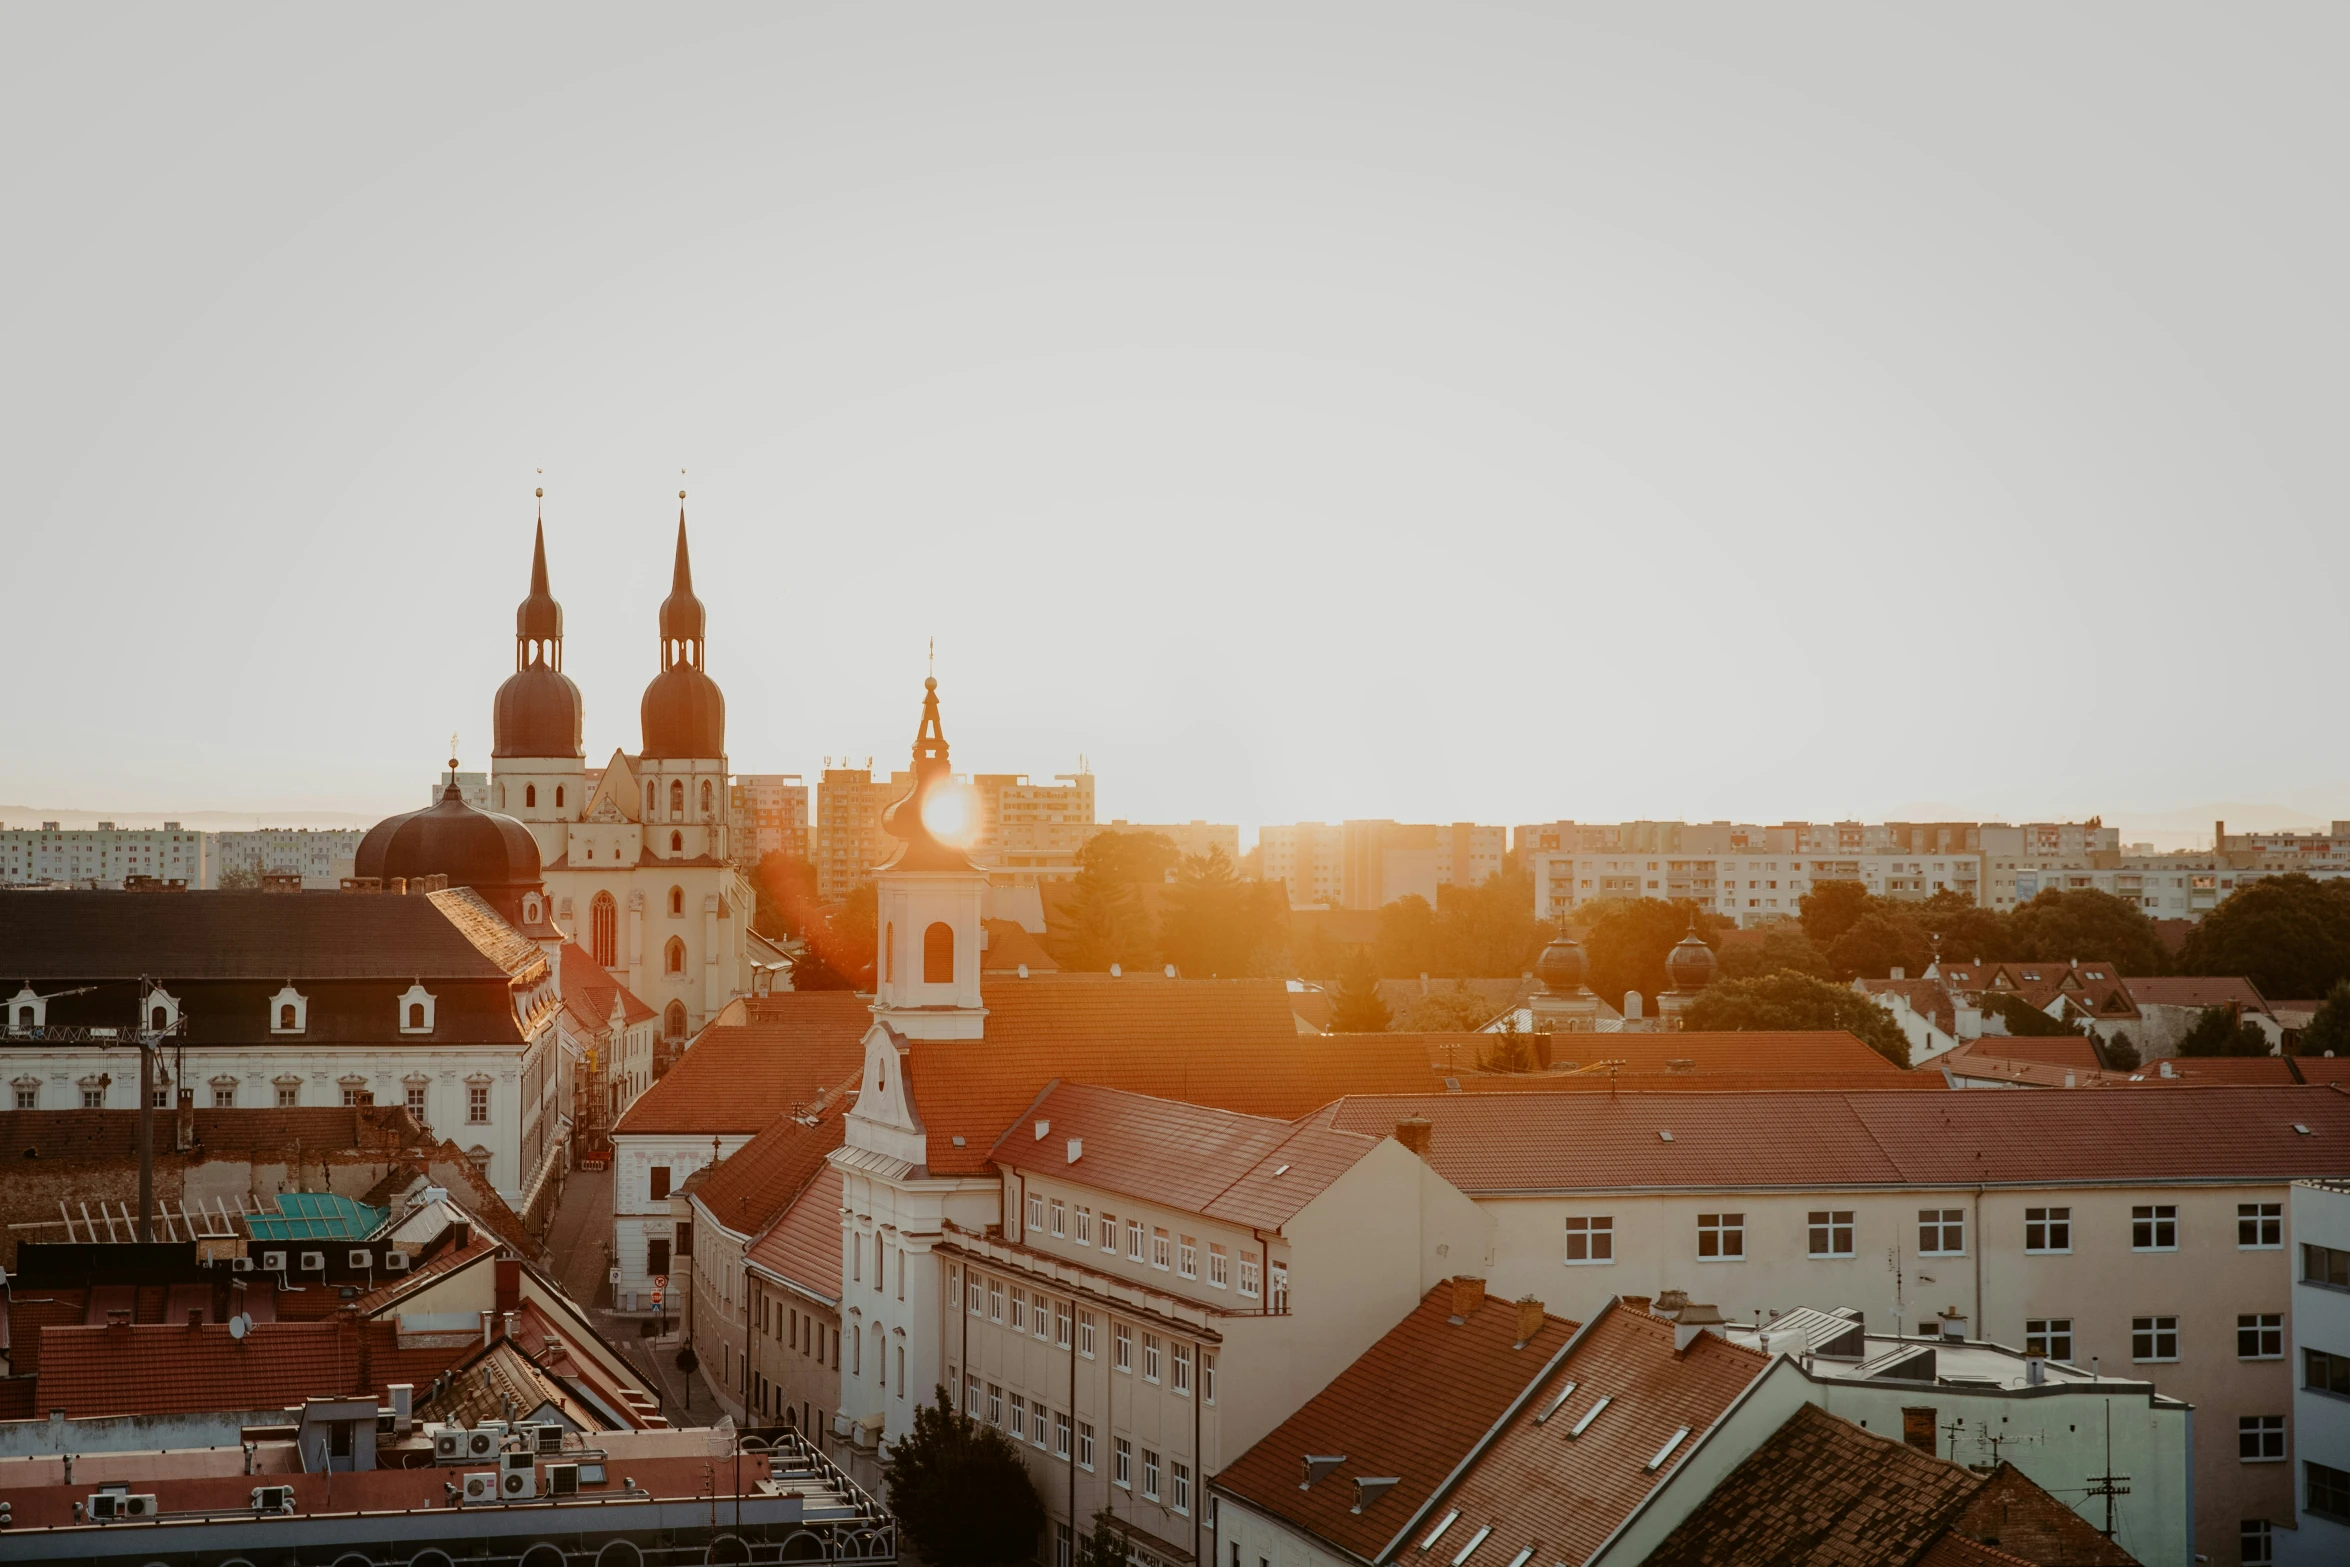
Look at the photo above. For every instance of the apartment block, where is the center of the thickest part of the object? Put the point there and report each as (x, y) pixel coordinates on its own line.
(1751, 888)
(849, 803)
(1306, 858)
(1368, 864)
(103, 856)
(771, 809)
(321, 858)
(2320, 1451)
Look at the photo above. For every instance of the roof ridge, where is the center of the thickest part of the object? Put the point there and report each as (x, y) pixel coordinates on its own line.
(1290, 1132)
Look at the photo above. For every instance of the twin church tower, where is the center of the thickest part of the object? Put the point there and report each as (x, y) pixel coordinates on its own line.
(637, 856)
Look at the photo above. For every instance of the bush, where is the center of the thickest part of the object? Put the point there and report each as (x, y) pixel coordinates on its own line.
(2218, 1032)
(961, 1491)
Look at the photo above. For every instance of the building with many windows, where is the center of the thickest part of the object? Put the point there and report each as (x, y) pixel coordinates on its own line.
(1369, 864)
(2319, 1530)
(104, 856)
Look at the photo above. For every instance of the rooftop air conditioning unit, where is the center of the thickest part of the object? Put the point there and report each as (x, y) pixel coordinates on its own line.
(541, 1436)
(448, 1445)
(137, 1505)
(240, 1265)
(314, 1262)
(361, 1257)
(562, 1479)
(518, 1477)
(481, 1486)
(273, 1498)
(484, 1440)
(273, 1262)
(395, 1262)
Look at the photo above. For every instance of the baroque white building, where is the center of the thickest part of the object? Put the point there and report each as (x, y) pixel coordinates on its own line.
(639, 858)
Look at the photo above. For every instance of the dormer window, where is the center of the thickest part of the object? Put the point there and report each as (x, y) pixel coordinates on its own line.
(416, 1010)
(27, 1010)
(531, 910)
(289, 1012)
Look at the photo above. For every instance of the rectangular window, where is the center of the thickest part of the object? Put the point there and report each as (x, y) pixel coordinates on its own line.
(2154, 1227)
(901, 1371)
(1109, 1231)
(1150, 1473)
(2260, 1226)
(1277, 1288)
(1019, 1425)
(954, 1289)
(1085, 1334)
(1941, 1232)
(224, 1097)
(2260, 1439)
(2154, 1338)
(1122, 1347)
(2325, 1267)
(2328, 1491)
(995, 1405)
(1134, 1240)
(977, 1304)
(1150, 1357)
(1060, 1433)
(995, 1301)
(1179, 1496)
(971, 1405)
(1160, 1249)
(416, 1093)
(477, 1104)
(1831, 1232)
(2322, 1372)
(288, 1095)
(2049, 1336)
(1207, 1376)
(1085, 1444)
(1591, 1240)
(2261, 1337)
(1059, 1218)
(1019, 1310)
(2255, 1545)
(1060, 1325)
(1248, 1274)
(1721, 1235)
(2048, 1230)
(1187, 1257)
(1035, 1213)
(1040, 1319)
(1084, 1235)
(1121, 1462)
(1181, 1381)
(1219, 1267)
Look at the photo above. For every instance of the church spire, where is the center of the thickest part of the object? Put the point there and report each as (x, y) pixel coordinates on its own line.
(683, 622)
(538, 620)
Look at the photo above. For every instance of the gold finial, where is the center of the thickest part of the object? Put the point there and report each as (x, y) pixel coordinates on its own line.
(542, 492)
(452, 756)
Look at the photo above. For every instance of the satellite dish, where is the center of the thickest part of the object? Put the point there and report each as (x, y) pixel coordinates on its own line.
(238, 1324)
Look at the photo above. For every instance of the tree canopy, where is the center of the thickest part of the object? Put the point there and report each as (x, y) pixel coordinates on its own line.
(1448, 1009)
(1784, 946)
(1867, 937)
(1628, 939)
(2328, 1033)
(2218, 1031)
(961, 1490)
(1483, 932)
(2059, 926)
(2290, 935)
(1356, 1007)
(1218, 926)
(1796, 1001)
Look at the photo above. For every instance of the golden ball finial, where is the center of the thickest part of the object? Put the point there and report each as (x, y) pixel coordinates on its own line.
(542, 492)
(681, 495)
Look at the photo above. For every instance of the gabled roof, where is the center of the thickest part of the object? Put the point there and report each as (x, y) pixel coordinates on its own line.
(1754, 1054)
(1617, 1142)
(751, 1187)
(2187, 990)
(277, 937)
(176, 1369)
(803, 1247)
(589, 991)
(1244, 1169)
(738, 1078)
(515, 954)
(1010, 944)
(1411, 1407)
(2072, 1051)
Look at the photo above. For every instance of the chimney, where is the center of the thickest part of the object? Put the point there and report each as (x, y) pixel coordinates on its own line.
(403, 1407)
(1416, 1133)
(366, 1353)
(183, 1134)
(489, 1332)
(1898, 972)
(195, 1317)
(118, 1318)
(1468, 1293)
(513, 1321)
(1529, 1320)
(509, 1284)
(1693, 1320)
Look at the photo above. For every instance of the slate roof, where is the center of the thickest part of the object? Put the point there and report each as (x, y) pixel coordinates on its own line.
(803, 1246)
(1456, 1380)
(737, 1078)
(1614, 1142)
(1244, 1169)
(240, 935)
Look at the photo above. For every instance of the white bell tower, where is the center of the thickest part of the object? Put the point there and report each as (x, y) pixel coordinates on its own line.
(928, 901)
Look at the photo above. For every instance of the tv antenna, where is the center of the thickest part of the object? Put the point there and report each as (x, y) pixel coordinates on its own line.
(2108, 1485)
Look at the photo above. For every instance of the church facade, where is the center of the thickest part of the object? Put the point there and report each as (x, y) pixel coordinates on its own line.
(638, 856)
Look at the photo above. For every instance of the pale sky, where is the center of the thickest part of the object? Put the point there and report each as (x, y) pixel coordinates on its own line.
(1447, 412)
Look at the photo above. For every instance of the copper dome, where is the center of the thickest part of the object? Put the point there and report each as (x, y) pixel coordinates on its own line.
(494, 855)
(537, 711)
(683, 715)
(1563, 968)
(1691, 964)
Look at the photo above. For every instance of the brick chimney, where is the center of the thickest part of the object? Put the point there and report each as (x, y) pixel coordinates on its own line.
(1529, 1320)
(1416, 1133)
(1468, 1293)
(509, 1284)
(183, 1131)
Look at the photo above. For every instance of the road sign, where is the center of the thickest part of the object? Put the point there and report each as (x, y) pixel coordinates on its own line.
(660, 1288)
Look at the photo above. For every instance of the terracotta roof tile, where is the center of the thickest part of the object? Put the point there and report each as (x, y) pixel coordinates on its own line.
(165, 1369)
(803, 1247)
(1244, 1169)
(1455, 1380)
(1613, 1142)
(1010, 944)
(752, 1186)
(1687, 1054)
(589, 990)
(2073, 1050)
(738, 1078)
(2185, 990)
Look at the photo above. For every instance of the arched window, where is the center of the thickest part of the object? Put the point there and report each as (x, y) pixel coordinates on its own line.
(705, 797)
(558, 797)
(938, 954)
(673, 1022)
(603, 929)
(285, 1017)
(677, 843)
(677, 900)
(530, 796)
(676, 800)
(652, 797)
(158, 1020)
(889, 954)
(24, 1017)
(673, 957)
(416, 1014)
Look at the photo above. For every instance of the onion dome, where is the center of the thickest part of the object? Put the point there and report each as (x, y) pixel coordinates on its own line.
(906, 820)
(494, 855)
(1691, 964)
(537, 712)
(1563, 968)
(683, 714)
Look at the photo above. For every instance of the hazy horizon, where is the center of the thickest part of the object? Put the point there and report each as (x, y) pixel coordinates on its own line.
(1461, 412)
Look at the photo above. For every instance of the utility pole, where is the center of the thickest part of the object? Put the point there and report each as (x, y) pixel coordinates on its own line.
(2108, 1485)
(146, 1133)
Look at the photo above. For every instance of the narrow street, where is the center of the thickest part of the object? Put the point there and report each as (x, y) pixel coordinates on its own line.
(579, 1255)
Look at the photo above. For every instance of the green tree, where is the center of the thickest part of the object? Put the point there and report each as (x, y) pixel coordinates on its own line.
(2328, 1033)
(1406, 945)
(1455, 1009)
(1831, 908)
(2120, 1053)
(2059, 926)
(1136, 858)
(849, 935)
(1217, 925)
(1102, 922)
(1106, 1544)
(961, 1491)
(1783, 948)
(1963, 929)
(1628, 940)
(247, 879)
(1488, 931)
(2024, 1020)
(1880, 941)
(1797, 1001)
(1356, 1007)
(2219, 1032)
(2289, 935)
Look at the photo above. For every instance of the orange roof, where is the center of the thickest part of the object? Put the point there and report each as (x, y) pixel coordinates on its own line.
(163, 1369)
(750, 1187)
(1010, 944)
(1456, 1379)
(803, 1247)
(2322, 1069)
(2071, 1050)
(1226, 1043)
(2185, 990)
(1698, 1053)
(1599, 1080)
(589, 990)
(1244, 1169)
(739, 1077)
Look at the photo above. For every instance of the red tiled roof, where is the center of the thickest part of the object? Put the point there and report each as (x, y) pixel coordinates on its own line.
(2322, 1069)
(1928, 998)
(1753, 1054)
(2184, 990)
(589, 990)
(750, 1187)
(165, 1369)
(1244, 1169)
(1537, 1488)
(1227, 1043)
(804, 1245)
(1455, 1380)
(1598, 1080)
(739, 1077)
(1614, 1142)
(2072, 1050)
(1010, 944)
